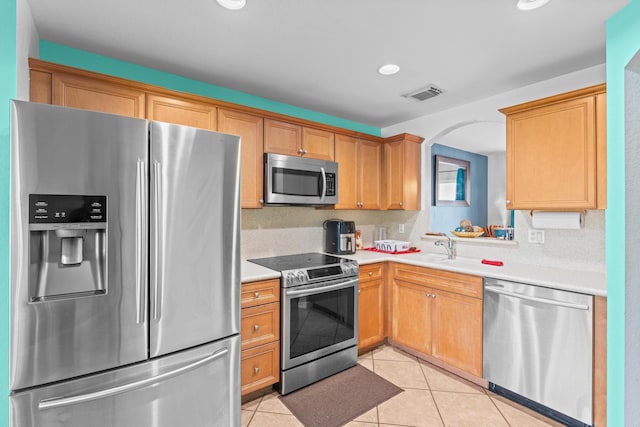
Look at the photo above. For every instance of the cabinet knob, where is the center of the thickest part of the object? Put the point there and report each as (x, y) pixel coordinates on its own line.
(257, 294)
(508, 202)
(256, 370)
(300, 151)
(371, 273)
(428, 295)
(262, 201)
(400, 203)
(304, 151)
(256, 327)
(433, 295)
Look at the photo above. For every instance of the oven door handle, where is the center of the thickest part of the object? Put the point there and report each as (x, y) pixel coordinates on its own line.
(317, 290)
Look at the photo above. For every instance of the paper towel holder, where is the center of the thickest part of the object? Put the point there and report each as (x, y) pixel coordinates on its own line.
(582, 212)
(570, 219)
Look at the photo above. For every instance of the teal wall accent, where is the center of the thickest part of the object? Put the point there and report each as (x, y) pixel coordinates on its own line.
(8, 90)
(623, 42)
(72, 57)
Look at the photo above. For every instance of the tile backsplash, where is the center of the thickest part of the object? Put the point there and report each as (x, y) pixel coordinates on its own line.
(275, 231)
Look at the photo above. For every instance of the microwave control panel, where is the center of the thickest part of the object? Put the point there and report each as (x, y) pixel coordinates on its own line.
(331, 184)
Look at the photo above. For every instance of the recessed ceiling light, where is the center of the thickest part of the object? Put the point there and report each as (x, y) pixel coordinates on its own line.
(232, 4)
(388, 69)
(531, 4)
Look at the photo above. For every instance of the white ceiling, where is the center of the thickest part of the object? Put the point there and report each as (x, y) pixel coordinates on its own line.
(323, 54)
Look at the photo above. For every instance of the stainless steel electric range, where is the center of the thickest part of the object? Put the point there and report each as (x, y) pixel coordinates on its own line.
(319, 316)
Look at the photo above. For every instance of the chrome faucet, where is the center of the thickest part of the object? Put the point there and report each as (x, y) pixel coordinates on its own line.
(448, 245)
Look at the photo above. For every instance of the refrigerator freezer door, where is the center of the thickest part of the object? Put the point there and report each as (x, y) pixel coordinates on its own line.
(196, 388)
(61, 151)
(194, 237)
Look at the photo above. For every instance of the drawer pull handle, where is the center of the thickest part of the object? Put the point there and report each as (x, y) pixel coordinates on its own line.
(256, 327)
(257, 294)
(256, 370)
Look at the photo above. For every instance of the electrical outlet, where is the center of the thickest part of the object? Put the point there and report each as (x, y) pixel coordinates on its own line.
(401, 228)
(536, 236)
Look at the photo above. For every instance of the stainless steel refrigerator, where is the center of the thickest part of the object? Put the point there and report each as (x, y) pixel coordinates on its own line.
(125, 271)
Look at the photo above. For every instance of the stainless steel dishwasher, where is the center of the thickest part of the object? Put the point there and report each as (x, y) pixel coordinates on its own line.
(537, 348)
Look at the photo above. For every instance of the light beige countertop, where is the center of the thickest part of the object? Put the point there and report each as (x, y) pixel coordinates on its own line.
(251, 272)
(587, 282)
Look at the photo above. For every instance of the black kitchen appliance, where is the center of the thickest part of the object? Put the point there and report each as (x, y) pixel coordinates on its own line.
(339, 237)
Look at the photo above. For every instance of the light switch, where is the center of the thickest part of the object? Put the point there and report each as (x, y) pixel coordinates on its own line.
(536, 236)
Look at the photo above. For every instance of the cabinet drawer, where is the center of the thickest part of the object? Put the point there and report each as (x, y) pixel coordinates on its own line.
(260, 367)
(464, 284)
(260, 325)
(370, 272)
(263, 292)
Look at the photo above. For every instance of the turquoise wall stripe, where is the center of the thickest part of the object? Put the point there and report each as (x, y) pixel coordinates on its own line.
(72, 57)
(8, 90)
(623, 41)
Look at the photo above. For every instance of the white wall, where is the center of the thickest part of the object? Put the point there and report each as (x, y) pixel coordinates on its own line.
(26, 46)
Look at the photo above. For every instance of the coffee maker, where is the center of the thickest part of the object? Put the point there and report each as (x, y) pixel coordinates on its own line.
(339, 237)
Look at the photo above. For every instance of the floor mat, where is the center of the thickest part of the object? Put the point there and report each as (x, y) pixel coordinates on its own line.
(336, 400)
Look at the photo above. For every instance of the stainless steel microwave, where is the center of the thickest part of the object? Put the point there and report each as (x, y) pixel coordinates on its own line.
(290, 180)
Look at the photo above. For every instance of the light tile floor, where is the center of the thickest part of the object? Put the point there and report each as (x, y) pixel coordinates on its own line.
(431, 397)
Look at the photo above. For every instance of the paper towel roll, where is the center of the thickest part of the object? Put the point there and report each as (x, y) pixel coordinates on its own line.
(563, 220)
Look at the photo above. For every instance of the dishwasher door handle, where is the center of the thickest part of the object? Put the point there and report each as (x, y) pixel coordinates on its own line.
(501, 291)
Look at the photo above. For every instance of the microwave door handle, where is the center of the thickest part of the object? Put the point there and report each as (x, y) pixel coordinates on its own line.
(324, 184)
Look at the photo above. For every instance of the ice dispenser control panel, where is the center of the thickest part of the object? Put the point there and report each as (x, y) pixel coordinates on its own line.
(64, 209)
(68, 246)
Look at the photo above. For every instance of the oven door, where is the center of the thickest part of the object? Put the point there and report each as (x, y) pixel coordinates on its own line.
(318, 320)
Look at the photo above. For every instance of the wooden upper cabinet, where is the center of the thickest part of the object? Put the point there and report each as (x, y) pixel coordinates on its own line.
(96, 95)
(282, 137)
(359, 173)
(346, 149)
(318, 144)
(250, 130)
(402, 173)
(295, 140)
(556, 152)
(369, 162)
(181, 111)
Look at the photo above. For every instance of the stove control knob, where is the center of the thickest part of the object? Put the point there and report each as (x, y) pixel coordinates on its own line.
(300, 276)
(290, 278)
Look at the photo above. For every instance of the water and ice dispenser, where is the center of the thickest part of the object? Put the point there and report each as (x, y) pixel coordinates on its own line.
(68, 246)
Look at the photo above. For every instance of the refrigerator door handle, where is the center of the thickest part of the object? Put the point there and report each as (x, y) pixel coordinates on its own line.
(140, 243)
(157, 300)
(72, 400)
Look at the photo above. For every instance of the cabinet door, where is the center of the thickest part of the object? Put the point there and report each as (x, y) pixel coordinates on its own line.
(402, 175)
(260, 367)
(371, 313)
(181, 112)
(551, 156)
(250, 129)
(317, 144)
(411, 314)
(96, 95)
(282, 138)
(369, 160)
(457, 331)
(346, 153)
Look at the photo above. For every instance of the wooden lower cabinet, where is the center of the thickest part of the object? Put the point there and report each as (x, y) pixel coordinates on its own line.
(439, 314)
(260, 335)
(371, 305)
(260, 367)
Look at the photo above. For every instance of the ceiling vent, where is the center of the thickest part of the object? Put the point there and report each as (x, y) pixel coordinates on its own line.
(425, 93)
